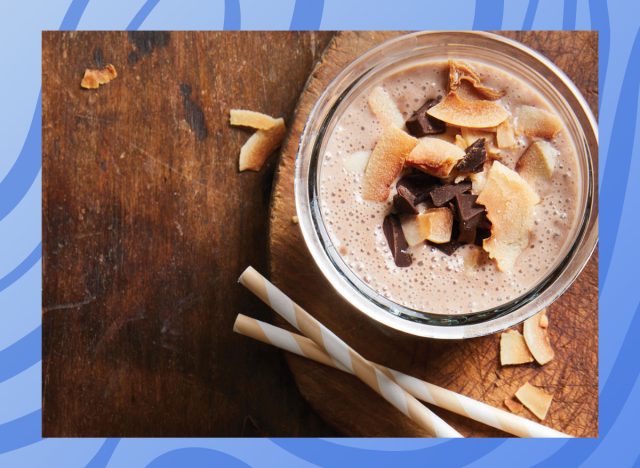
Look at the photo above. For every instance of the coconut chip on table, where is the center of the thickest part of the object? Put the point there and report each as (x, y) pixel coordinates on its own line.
(535, 400)
(251, 119)
(269, 135)
(536, 344)
(95, 77)
(513, 349)
(535, 332)
(532, 344)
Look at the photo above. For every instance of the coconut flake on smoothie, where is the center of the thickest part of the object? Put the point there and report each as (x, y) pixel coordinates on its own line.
(468, 184)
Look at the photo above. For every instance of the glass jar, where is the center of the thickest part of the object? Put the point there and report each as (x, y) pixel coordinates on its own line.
(389, 58)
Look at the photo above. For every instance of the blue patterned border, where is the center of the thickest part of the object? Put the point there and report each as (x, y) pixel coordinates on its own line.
(20, 233)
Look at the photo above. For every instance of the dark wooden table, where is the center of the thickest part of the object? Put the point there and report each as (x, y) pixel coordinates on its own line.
(146, 226)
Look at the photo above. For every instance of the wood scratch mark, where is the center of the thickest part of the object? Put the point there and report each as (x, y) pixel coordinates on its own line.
(70, 305)
(167, 166)
(115, 327)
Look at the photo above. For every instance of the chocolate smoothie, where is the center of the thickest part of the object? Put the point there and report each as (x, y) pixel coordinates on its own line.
(449, 272)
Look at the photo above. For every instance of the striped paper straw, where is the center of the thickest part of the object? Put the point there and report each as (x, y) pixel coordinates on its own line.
(341, 353)
(425, 391)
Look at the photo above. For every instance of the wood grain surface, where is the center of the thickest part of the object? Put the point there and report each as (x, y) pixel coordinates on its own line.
(146, 227)
(470, 367)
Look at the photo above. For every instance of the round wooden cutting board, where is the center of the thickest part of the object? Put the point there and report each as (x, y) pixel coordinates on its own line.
(470, 367)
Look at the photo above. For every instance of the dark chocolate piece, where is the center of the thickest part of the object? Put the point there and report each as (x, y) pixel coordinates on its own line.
(445, 193)
(474, 158)
(449, 248)
(467, 211)
(481, 234)
(422, 124)
(467, 236)
(484, 222)
(413, 189)
(419, 184)
(396, 240)
(404, 201)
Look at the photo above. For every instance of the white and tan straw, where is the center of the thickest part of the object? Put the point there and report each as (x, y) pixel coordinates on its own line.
(425, 391)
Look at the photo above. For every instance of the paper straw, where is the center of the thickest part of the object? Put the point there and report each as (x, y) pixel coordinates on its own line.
(425, 391)
(341, 353)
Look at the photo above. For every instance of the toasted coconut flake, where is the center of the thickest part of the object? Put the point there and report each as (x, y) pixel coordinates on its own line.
(385, 108)
(535, 399)
(544, 321)
(449, 135)
(435, 156)
(460, 71)
(252, 119)
(513, 349)
(505, 135)
(536, 122)
(493, 153)
(460, 142)
(471, 259)
(386, 162)
(260, 145)
(537, 338)
(435, 225)
(478, 180)
(411, 230)
(538, 162)
(470, 114)
(94, 77)
(357, 162)
(471, 135)
(509, 201)
(489, 134)
(513, 405)
(474, 258)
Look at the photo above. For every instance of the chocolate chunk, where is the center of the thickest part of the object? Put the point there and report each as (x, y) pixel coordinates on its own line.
(420, 184)
(467, 236)
(443, 194)
(474, 158)
(422, 124)
(413, 189)
(484, 222)
(467, 211)
(469, 216)
(396, 240)
(404, 201)
(481, 234)
(449, 248)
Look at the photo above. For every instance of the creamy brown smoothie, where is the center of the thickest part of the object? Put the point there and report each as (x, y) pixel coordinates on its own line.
(444, 275)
